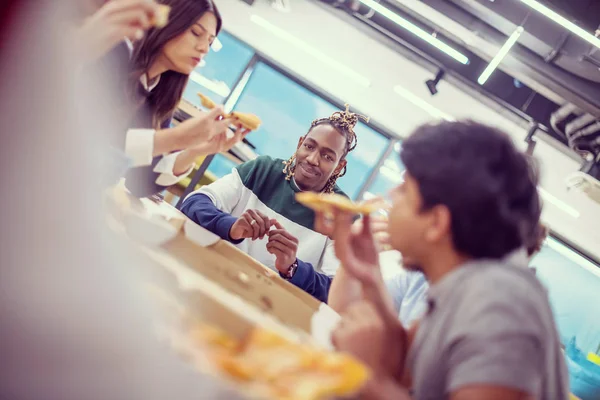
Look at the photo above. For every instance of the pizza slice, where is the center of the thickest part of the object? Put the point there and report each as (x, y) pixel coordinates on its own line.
(327, 203)
(161, 17)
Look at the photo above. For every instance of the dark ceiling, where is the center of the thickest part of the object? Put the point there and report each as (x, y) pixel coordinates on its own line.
(551, 66)
(585, 12)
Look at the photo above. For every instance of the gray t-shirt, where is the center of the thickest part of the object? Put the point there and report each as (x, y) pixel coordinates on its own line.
(488, 323)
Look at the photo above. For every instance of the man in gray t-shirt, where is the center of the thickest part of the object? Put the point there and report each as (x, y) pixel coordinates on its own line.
(469, 199)
(472, 335)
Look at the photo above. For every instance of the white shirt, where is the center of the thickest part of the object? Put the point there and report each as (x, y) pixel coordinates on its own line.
(139, 146)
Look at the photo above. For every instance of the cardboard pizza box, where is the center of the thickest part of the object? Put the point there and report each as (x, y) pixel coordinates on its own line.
(159, 225)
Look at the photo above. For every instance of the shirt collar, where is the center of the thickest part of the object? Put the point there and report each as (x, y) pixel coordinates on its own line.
(295, 186)
(148, 86)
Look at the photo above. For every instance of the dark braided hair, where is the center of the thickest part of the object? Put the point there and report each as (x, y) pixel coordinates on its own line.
(344, 122)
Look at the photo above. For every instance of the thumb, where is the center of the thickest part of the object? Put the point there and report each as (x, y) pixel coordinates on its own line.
(366, 228)
(277, 224)
(223, 125)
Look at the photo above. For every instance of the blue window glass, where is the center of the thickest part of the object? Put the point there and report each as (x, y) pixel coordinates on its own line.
(221, 166)
(219, 71)
(573, 284)
(388, 176)
(287, 109)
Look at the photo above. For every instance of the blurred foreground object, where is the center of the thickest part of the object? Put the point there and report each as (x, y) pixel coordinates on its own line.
(71, 325)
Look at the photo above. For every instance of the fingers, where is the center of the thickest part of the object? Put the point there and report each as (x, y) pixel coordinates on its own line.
(281, 231)
(135, 17)
(215, 113)
(285, 240)
(274, 247)
(123, 5)
(323, 224)
(277, 224)
(378, 225)
(222, 125)
(342, 228)
(252, 226)
(262, 224)
(237, 137)
(366, 228)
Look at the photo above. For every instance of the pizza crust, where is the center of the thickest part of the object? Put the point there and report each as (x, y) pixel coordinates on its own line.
(248, 121)
(327, 203)
(161, 17)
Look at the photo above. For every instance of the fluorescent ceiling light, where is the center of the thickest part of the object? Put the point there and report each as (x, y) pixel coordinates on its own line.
(216, 45)
(219, 88)
(307, 48)
(558, 203)
(510, 42)
(562, 21)
(415, 30)
(422, 104)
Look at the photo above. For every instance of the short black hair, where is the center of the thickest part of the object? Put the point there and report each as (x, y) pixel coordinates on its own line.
(489, 186)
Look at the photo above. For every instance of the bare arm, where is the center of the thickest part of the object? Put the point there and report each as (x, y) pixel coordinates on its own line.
(217, 144)
(166, 141)
(344, 291)
(185, 160)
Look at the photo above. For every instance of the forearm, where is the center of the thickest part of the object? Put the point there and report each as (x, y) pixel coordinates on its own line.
(185, 160)
(344, 291)
(165, 141)
(200, 209)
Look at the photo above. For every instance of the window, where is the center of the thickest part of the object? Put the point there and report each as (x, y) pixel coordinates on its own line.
(388, 176)
(573, 284)
(221, 166)
(287, 109)
(219, 71)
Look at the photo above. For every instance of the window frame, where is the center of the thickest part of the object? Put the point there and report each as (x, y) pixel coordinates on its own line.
(259, 57)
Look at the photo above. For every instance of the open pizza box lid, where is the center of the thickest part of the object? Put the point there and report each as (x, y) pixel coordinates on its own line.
(160, 225)
(207, 301)
(210, 305)
(240, 274)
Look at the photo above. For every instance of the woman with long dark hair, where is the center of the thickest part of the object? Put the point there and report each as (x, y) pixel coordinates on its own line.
(157, 70)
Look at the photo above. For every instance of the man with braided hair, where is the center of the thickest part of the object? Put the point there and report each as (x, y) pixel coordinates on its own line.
(254, 207)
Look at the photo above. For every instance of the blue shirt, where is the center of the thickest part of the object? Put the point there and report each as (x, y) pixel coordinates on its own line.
(409, 291)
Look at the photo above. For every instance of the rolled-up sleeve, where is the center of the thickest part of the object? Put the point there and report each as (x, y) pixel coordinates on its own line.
(165, 168)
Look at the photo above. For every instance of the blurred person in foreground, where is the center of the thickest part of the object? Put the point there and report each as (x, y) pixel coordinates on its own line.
(72, 325)
(255, 208)
(469, 199)
(147, 68)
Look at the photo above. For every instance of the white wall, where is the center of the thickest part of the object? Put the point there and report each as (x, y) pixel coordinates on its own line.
(326, 34)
